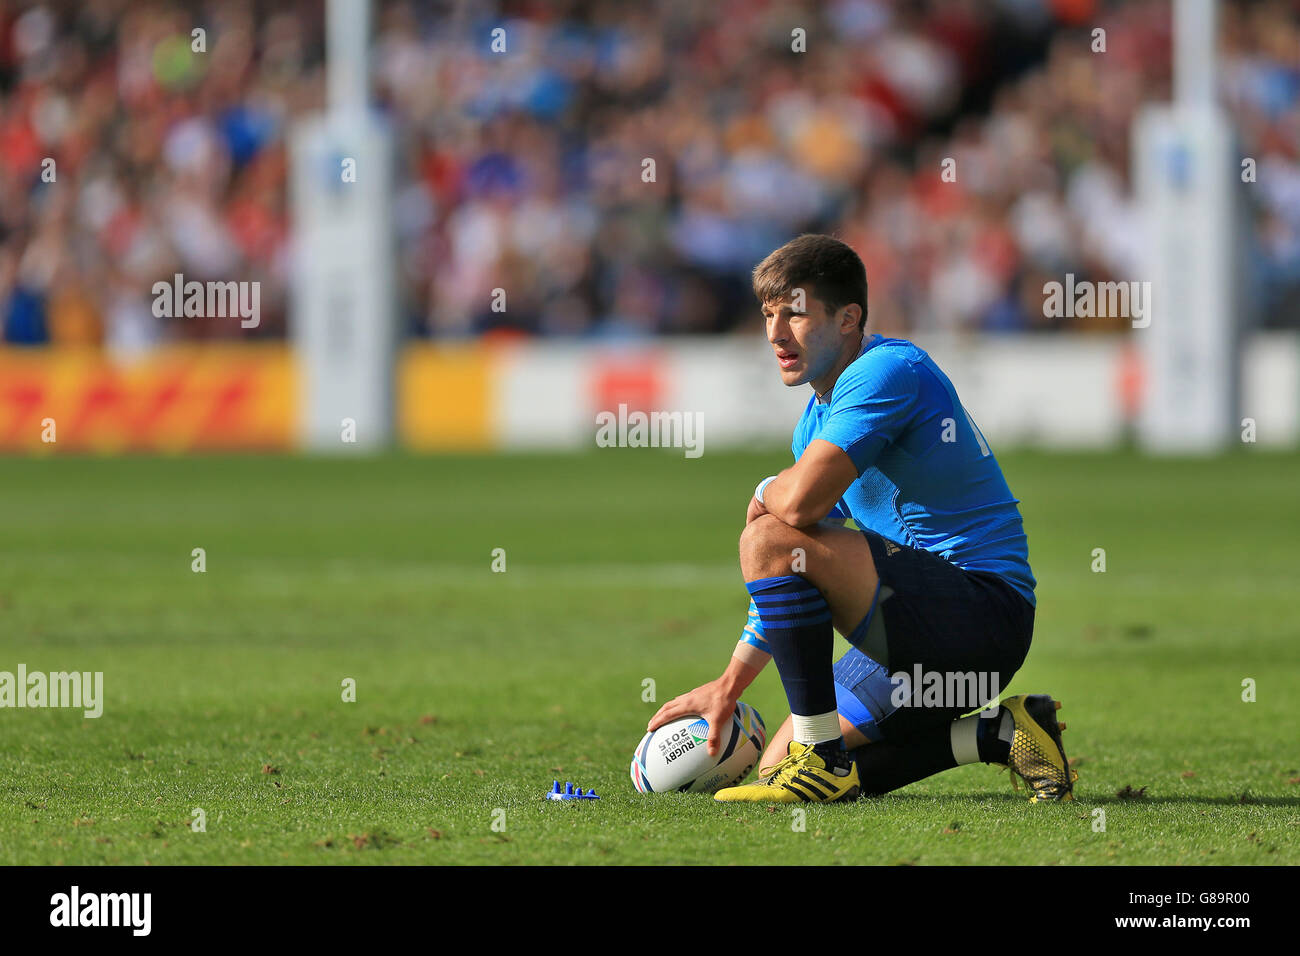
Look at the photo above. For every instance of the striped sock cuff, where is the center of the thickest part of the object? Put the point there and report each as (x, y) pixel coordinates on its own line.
(788, 602)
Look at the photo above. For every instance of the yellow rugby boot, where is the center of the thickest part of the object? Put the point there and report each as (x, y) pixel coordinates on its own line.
(1037, 754)
(803, 776)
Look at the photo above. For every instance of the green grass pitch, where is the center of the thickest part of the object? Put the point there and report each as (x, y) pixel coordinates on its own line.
(475, 689)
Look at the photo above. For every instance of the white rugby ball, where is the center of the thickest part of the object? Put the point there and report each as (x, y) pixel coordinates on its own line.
(675, 756)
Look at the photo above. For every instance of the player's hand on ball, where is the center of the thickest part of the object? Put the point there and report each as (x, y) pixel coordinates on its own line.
(710, 701)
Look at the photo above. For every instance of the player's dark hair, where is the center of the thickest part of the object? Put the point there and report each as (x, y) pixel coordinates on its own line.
(825, 267)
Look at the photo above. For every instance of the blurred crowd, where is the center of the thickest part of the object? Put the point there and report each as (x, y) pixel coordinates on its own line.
(126, 156)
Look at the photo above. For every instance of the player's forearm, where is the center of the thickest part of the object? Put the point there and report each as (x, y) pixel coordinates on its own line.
(808, 490)
(740, 672)
(751, 654)
(799, 507)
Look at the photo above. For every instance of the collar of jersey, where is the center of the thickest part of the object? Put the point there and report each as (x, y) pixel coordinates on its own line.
(869, 343)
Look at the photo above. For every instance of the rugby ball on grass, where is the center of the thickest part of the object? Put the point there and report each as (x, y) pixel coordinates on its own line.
(676, 757)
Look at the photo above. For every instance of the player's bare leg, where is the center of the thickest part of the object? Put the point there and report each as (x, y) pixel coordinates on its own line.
(835, 560)
(806, 581)
(838, 562)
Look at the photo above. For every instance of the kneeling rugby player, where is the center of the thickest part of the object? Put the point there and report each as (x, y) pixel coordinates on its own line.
(935, 580)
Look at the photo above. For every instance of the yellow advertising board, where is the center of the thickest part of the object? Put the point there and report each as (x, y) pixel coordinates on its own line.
(238, 397)
(445, 397)
(172, 399)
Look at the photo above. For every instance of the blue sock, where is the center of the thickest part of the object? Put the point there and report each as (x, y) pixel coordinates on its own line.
(797, 624)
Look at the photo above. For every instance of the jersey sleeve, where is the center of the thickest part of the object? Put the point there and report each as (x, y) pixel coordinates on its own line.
(872, 404)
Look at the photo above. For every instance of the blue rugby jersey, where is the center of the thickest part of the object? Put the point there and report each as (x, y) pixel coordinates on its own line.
(927, 478)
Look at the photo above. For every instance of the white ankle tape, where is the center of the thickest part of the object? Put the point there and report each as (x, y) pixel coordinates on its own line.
(816, 729)
(962, 737)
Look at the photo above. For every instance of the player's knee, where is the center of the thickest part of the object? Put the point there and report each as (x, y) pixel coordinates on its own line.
(766, 542)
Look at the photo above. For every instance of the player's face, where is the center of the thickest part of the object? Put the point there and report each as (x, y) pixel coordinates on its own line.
(807, 341)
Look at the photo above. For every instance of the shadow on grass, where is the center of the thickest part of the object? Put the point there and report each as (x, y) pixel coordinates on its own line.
(1081, 799)
(1237, 801)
